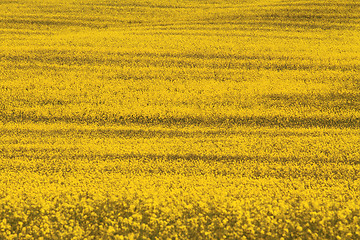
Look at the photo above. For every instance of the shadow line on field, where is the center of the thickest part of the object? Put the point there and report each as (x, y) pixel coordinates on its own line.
(122, 134)
(72, 158)
(252, 121)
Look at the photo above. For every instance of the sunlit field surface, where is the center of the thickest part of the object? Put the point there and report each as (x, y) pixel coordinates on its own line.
(179, 119)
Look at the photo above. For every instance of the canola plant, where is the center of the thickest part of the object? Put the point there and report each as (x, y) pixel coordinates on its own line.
(179, 119)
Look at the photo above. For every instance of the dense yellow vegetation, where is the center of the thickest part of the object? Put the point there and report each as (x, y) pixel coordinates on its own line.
(176, 119)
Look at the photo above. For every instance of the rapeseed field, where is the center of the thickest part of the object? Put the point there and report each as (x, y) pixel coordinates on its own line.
(179, 119)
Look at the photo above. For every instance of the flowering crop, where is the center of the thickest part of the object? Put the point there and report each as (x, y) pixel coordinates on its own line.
(179, 119)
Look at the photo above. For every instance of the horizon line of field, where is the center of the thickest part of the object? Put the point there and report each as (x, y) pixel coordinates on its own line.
(251, 121)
